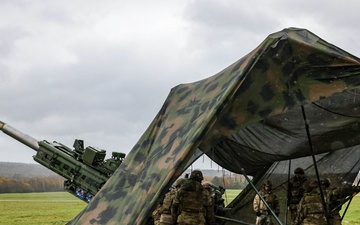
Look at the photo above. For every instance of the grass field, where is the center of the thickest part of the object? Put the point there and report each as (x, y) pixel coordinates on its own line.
(39, 208)
(58, 208)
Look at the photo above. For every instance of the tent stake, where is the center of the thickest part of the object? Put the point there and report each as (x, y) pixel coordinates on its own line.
(258, 193)
(315, 166)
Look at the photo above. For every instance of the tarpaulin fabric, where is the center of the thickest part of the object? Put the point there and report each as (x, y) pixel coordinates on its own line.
(248, 117)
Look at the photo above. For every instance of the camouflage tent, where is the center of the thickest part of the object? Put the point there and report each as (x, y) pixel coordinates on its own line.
(247, 118)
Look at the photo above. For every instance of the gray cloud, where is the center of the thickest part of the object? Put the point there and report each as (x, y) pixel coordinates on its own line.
(100, 71)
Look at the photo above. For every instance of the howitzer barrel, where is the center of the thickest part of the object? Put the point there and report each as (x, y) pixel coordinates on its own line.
(85, 169)
(20, 136)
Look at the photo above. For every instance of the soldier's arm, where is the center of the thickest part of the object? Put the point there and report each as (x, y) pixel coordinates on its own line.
(256, 205)
(300, 213)
(209, 208)
(175, 208)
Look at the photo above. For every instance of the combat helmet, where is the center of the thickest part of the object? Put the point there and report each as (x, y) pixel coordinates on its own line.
(196, 175)
(268, 184)
(299, 170)
(326, 182)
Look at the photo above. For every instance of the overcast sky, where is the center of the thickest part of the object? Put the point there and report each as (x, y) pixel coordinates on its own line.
(101, 70)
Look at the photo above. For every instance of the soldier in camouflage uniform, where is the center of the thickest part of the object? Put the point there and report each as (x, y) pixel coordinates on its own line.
(296, 191)
(311, 209)
(263, 215)
(218, 201)
(335, 198)
(332, 199)
(193, 204)
(166, 217)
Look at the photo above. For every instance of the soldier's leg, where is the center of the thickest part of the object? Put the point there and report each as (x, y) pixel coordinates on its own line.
(293, 214)
(259, 220)
(268, 220)
(336, 220)
(262, 220)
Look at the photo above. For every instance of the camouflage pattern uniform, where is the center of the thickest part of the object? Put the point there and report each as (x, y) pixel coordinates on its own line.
(311, 208)
(218, 201)
(156, 214)
(193, 204)
(263, 215)
(296, 192)
(166, 217)
(332, 199)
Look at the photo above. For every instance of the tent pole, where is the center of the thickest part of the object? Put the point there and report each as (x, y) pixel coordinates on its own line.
(348, 204)
(258, 193)
(233, 220)
(315, 166)
(288, 192)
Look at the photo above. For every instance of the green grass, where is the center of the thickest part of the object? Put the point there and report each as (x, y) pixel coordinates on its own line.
(230, 194)
(352, 216)
(39, 208)
(61, 207)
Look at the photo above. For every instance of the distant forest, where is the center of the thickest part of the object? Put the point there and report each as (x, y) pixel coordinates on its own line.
(25, 178)
(223, 178)
(38, 184)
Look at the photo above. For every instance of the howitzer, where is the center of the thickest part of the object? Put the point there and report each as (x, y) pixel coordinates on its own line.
(219, 189)
(218, 193)
(85, 169)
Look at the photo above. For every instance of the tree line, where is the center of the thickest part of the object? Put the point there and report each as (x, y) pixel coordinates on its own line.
(236, 181)
(56, 183)
(35, 184)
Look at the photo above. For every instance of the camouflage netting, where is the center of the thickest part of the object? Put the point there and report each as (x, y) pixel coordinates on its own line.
(247, 117)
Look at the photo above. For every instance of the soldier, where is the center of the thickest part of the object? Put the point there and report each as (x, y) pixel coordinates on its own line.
(333, 201)
(218, 201)
(295, 191)
(263, 214)
(209, 188)
(192, 204)
(336, 197)
(166, 218)
(311, 209)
